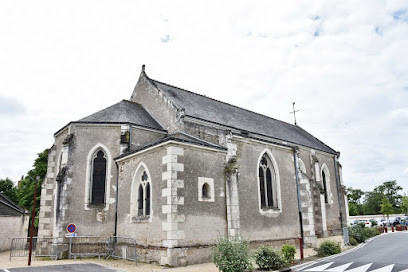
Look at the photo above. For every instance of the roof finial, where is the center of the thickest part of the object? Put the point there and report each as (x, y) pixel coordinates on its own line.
(143, 68)
(294, 111)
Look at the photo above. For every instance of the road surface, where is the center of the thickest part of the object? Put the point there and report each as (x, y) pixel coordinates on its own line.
(387, 253)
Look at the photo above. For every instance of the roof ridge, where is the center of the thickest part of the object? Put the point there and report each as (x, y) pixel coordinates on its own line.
(130, 101)
(222, 102)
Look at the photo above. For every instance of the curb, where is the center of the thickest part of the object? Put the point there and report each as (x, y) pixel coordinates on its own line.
(306, 265)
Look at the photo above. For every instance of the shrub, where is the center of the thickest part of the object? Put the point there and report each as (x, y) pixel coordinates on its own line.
(358, 233)
(288, 254)
(268, 258)
(328, 248)
(231, 255)
(374, 223)
(353, 241)
(371, 232)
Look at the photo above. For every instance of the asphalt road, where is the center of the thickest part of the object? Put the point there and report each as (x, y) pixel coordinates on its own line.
(387, 253)
(62, 268)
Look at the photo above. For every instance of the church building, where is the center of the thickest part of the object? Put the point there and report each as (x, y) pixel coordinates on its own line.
(176, 170)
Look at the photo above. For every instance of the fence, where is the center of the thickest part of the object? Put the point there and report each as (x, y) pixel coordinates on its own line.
(78, 246)
(42, 247)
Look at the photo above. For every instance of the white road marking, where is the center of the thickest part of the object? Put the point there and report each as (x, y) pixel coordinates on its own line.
(340, 268)
(362, 268)
(406, 270)
(5, 270)
(387, 268)
(321, 267)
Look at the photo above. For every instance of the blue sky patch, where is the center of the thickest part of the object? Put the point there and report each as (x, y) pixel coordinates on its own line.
(379, 30)
(9, 106)
(165, 38)
(401, 15)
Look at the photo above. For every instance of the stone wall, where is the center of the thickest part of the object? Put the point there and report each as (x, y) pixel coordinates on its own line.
(12, 227)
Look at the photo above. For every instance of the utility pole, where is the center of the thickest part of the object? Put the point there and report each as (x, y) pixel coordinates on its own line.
(294, 111)
(32, 219)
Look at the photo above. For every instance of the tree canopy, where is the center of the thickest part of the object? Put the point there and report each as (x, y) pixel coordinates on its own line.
(385, 196)
(23, 194)
(8, 189)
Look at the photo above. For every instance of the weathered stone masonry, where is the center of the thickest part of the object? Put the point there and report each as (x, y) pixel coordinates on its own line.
(175, 219)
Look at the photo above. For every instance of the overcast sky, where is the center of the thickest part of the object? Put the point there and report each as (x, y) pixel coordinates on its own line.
(344, 63)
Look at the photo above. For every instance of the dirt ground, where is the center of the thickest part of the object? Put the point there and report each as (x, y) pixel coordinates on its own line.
(122, 265)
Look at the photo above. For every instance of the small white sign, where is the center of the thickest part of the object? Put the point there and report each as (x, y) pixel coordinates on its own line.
(70, 235)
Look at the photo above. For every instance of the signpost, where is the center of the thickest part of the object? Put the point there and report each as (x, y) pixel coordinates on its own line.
(71, 228)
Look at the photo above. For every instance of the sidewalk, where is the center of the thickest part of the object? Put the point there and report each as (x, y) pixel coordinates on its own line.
(122, 265)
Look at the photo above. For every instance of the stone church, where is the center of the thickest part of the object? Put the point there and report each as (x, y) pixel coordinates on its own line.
(176, 170)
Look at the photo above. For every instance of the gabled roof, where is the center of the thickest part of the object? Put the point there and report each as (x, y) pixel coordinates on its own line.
(123, 112)
(7, 202)
(179, 137)
(217, 112)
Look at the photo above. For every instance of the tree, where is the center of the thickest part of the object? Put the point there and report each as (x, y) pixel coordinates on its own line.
(386, 207)
(354, 197)
(404, 201)
(26, 189)
(372, 202)
(8, 189)
(390, 190)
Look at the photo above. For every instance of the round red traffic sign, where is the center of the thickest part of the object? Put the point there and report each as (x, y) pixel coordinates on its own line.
(71, 228)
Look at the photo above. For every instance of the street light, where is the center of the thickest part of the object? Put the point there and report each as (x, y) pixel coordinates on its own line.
(32, 219)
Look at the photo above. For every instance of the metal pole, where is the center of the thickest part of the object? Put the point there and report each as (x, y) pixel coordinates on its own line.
(32, 221)
(298, 197)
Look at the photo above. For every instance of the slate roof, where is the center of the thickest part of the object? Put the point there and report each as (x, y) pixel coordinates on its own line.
(180, 137)
(9, 205)
(208, 109)
(123, 112)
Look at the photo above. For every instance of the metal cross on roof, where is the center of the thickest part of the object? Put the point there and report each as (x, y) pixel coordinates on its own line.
(294, 111)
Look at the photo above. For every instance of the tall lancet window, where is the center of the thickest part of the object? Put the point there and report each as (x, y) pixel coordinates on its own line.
(267, 183)
(140, 206)
(326, 199)
(98, 178)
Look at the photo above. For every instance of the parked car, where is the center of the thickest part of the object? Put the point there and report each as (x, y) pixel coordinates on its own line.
(366, 223)
(393, 221)
(381, 221)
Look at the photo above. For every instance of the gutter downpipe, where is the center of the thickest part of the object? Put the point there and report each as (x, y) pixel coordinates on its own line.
(295, 150)
(116, 203)
(336, 171)
(117, 185)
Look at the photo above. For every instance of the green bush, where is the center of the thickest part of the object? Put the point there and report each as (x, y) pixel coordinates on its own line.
(231, 255)
(361, 234)
(268, 258)
(353, 241)
(358, 233)
(373, 223)
(328, 248)
(371, 232)
(288, 254)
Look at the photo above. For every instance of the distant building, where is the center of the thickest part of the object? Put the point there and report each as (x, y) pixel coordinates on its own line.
(13, 222)
(183, 169)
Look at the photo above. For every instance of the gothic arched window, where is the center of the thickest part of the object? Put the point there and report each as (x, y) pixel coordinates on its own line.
(325, 187)
(267, 183)
(98, 178)
(140, 201)
(141, 194)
